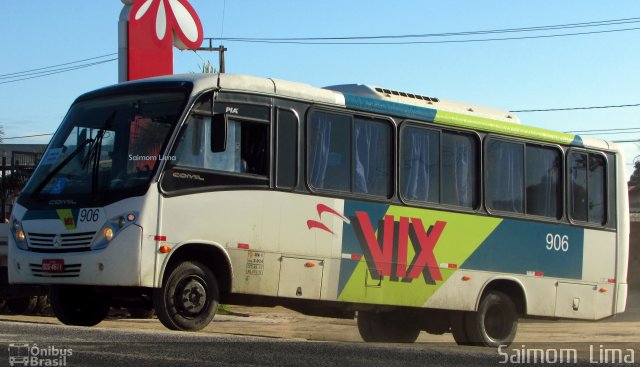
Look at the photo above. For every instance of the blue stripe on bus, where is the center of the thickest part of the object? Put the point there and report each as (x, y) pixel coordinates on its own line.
(389, 108)
(517, 247)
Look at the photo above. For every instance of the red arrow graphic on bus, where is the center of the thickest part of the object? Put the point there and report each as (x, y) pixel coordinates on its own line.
(321, 208)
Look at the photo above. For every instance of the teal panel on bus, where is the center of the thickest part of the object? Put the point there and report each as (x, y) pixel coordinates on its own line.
(518, 247)
(389, 108)
(350, 244)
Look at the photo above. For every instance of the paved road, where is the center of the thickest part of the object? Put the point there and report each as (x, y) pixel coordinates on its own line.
(124, 347)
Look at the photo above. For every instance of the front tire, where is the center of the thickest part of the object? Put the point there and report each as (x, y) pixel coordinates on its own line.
(189, 297)
(495, 323)
(80, 306)
(386, 327)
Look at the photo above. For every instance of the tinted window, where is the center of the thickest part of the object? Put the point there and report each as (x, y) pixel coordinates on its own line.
(597, 191)
(372, 157)
(420, 164)
(504, 176)
(587, 187)
(329, 154)
(544, 187)
(459, 169)
(287, 149)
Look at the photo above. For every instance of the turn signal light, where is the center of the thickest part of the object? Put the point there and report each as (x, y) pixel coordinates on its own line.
(165, 249)
(466, 278)
(603, 290)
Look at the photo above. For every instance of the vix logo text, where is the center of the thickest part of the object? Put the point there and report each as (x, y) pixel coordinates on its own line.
(386, 254)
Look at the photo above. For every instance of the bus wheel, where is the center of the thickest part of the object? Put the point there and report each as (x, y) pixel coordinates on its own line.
(80, 306)
(22, 305)
(458, 328)
(495, 323)
(390, 327)
(189, 297)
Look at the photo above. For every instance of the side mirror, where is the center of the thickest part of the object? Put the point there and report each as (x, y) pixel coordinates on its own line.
(219, 124)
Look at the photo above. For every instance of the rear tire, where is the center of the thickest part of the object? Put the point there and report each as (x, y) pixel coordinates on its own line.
(495, 323)
(387, 327)
(189, 297)
(22, 305)
(80, 306)
(458, 327)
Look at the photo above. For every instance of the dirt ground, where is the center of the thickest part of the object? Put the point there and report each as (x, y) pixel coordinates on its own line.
(279, 322)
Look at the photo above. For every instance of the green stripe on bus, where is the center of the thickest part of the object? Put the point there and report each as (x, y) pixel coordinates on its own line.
(504, 128)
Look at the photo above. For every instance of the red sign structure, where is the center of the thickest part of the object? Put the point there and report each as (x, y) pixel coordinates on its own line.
(154, 27)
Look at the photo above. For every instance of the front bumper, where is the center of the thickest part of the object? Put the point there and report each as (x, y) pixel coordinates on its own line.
(116, 265)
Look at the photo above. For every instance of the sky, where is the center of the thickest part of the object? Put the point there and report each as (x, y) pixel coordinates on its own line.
(551, 72)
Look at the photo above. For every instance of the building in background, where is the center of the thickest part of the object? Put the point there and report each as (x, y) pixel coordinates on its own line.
(633, 276)
(18, 162)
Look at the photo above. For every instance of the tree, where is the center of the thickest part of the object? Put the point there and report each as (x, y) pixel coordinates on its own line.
(635, 177)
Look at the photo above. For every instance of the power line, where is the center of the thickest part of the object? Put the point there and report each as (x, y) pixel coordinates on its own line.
(27, 136)
(64, 70)
(447, 34)
(603, 130)
(55, 69)
(432, 42)
(577, 108)
(2, 76)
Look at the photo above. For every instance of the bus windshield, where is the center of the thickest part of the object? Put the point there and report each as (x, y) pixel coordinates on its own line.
(107, 145)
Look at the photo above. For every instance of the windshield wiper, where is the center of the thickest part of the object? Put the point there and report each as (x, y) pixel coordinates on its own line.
(79, 148)
(93, 156)
(59, 167)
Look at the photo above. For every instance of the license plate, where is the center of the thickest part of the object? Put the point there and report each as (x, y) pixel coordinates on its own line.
(53, 265)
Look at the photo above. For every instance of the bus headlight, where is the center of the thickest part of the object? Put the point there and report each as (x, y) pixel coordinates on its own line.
(18, 234)
(112, 228)
(107, 233)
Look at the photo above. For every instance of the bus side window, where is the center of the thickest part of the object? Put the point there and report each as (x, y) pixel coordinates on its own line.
(420, 164)
(329, 154)
(504, 176)
(543, 181)
(587, 187)
(287, 149)
(460, 181)
(372, 157)
(247, 149)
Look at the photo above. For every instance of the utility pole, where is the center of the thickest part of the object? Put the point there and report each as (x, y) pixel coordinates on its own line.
(221, 49)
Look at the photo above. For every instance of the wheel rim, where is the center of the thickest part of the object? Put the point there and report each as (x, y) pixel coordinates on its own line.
(497, 323)
(191, 296)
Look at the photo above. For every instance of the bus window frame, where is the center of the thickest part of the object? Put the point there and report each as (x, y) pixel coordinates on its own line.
(524, 215)
(191, 111)
(606, 196)
(276, 152)
(393, 176)
(479, 161)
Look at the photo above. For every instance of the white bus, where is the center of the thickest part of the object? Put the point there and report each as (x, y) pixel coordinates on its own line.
(416, 213)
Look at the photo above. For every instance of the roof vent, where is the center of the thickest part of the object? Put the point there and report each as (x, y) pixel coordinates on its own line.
(390, 92)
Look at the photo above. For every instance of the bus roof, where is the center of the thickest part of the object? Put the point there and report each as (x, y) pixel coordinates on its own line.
(390, 102)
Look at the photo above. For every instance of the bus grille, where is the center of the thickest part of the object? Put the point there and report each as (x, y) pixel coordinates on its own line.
(69, 271)
(68, 242)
